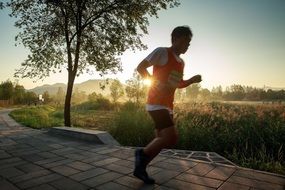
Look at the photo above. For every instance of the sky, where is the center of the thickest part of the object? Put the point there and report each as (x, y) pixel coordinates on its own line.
(234, 42)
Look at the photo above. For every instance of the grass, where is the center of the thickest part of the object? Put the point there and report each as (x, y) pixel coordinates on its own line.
(249, 135)
(132, 126)
(47, 116)
(38, 116)
(92, 119)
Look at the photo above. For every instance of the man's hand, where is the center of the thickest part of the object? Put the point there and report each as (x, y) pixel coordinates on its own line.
(196, 79)
(142, 69)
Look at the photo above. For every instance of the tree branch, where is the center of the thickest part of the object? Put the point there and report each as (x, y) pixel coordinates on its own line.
(93, 18)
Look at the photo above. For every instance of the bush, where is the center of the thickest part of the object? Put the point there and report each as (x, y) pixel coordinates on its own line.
(132, 126)
(36, 117)
(99, 103)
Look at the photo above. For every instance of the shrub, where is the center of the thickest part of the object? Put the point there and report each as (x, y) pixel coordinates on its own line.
(132, 126)
(36, 116)
(99, 103)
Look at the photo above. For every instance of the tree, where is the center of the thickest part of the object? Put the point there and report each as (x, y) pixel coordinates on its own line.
(205, 94)
(31, 97)
(135, 89)
(252, 94)
(59, 98)
(46, 97)
(78, 96)
(235, 92)
(19, 94)
(79, 35)
(180, 94)
(93, 97)
(217, 92)
(117, 90)
(192, 91)
(7, 90)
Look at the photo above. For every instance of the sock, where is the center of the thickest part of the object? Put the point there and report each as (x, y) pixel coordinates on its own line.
(140, 167)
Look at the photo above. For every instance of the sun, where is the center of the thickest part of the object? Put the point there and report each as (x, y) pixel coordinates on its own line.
(147, 82)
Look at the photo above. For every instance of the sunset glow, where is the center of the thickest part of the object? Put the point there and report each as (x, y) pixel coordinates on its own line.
(234, 42)
(147, 82)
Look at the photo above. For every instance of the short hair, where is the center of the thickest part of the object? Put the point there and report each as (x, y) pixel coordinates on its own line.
(181, 31)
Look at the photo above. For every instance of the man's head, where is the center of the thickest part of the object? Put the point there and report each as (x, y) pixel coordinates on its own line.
(181, 37)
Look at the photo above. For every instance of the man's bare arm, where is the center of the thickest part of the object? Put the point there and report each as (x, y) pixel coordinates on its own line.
(142, 69)
(194, 79)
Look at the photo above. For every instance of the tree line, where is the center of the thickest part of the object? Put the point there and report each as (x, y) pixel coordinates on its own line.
(136, 91)
(14, 93)
(238, 92)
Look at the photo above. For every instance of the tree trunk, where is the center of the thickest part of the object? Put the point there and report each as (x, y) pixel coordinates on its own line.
(71, 77)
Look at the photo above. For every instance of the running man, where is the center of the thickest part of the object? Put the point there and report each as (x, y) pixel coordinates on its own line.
(167, 77)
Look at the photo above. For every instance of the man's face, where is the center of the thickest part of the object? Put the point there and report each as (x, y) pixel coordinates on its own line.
(183, 43)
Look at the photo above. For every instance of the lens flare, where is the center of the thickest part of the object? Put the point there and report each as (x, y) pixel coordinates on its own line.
(147, 82)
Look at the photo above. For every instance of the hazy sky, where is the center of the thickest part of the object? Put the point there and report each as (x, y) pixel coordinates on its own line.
(234, 42)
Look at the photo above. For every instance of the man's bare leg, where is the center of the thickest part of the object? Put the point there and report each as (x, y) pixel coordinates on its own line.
(165, 138)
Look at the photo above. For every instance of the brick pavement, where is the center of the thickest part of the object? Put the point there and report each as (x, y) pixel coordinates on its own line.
(32, 159)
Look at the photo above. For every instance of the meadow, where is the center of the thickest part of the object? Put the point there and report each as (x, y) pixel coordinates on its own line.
(250, 135)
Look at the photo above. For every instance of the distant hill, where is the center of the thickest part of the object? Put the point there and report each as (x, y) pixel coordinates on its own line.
(87, 86)
(52, 89)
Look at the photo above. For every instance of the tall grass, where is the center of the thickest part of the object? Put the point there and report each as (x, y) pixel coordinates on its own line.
(132, 126)
(100, 103)
(38, 116)
(48, 116)
(249, 135)
(92, 119)
(95, 114)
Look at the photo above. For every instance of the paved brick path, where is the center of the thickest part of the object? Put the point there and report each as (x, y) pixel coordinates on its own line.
(32, 159)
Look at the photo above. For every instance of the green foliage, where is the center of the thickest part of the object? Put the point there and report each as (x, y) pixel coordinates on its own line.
(16, 94)
(231, 93)
(117, 90)
(135, 89)
(246, 134)
(235, 92)
(46, 116)
(30, 98)
(92, 119)
(81, 36)
(58, 114)
(80, 33)
(205, 94)
(19, 94)
(96, 102)
(46, 97)
(93, 96)
(249, 135)
(38, 116)
(217, 93)
(192, 91)
(58, 99)
(6, 90)
(1, 5)
(78, 97)
(132, 126)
